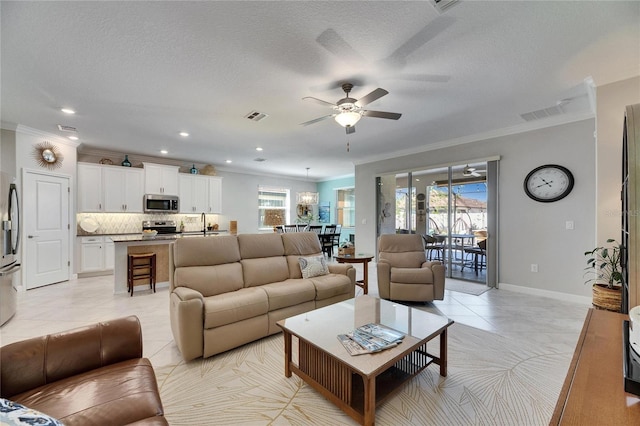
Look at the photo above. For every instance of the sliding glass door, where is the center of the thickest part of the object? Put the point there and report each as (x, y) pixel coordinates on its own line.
(450, 207)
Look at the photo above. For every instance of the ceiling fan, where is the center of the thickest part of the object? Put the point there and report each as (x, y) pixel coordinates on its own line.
(472, 172)
(348, 111)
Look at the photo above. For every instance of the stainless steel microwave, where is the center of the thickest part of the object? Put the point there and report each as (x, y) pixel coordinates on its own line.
(161, 203)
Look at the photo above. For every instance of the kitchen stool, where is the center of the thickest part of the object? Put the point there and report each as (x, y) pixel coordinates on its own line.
(141, 266)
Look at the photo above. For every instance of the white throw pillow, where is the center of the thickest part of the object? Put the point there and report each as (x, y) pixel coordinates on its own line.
(313, 266)
(14, 414)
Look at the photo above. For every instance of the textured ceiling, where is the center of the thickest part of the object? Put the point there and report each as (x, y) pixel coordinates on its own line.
(140, 72)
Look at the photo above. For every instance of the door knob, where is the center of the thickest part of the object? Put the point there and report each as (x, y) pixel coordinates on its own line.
(32, 236)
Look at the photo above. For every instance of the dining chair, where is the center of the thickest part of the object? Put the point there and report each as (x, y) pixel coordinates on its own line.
(315, 228)
(433, 245)
(327, 239)
(479, 259)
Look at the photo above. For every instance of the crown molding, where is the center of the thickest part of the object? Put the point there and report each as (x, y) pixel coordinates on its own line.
(41, 134)
(507, 131)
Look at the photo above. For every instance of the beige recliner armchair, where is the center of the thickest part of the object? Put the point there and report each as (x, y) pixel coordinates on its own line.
(404, 273)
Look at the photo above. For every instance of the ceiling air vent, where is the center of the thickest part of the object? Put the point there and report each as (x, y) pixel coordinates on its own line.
(67, 128)
(256, 116)
(543, 113)
(260, 160)
(442, 5)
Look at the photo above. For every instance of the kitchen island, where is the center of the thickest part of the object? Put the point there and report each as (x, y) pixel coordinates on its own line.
(137, 243)
(127, 244)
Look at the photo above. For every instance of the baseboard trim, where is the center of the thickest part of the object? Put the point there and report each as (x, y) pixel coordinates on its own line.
(583, 300)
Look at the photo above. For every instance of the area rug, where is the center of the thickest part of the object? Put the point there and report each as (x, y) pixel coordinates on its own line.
(492, 380)
(467, 287)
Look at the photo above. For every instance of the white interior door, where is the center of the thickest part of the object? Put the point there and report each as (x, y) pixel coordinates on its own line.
(46, 225)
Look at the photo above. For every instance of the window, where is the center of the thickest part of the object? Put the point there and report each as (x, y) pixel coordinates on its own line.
(272, 201)
(346, 208)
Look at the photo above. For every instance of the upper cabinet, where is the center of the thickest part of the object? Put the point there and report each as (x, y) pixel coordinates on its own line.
(123, 189)
(160, 179)
(200, 194)
(90, 188)
(215, 195)
(109, 189)
(193, 193)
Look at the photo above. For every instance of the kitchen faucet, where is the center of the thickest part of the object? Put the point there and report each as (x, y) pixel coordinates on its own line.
(203, 218)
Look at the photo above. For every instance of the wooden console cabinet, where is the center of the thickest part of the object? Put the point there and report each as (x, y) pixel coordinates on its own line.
(593, 391)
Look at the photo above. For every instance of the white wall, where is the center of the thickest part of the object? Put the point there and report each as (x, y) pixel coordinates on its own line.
(26, 141)
(8, 151)
(611, 102)
(530, 232)
(240, 198)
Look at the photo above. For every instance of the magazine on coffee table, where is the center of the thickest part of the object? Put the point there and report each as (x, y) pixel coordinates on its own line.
(370, 338)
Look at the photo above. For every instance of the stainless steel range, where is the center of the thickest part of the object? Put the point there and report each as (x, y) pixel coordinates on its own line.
(162, 226)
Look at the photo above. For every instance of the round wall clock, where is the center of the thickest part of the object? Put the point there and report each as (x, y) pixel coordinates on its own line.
(47, 155)
(548, 183)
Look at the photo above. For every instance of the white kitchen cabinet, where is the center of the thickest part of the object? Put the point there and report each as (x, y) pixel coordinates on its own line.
(160, 179)
(193, 193)
(215, 195)
(200, 194)
(123, 189)
(90, 188)
(109, 253)
(96, 254)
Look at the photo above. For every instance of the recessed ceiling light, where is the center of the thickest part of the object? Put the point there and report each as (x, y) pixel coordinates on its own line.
(67, 110)
(258, 149)
(164, 151)
(184, 134)
(73, 138)
(228, 161)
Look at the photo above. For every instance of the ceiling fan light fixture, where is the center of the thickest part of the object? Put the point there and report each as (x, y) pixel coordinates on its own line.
(348, 118)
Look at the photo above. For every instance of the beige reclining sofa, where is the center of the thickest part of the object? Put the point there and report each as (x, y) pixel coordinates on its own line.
(230, 290)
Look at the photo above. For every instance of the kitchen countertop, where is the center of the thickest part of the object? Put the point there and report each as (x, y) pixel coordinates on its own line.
(159, 237)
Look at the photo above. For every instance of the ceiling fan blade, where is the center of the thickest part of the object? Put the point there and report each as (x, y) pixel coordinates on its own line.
(306, 123)
(398, 58)
(382, 114)
(376, 94)
(350, 129)
(430, 78)
(331, 40)
(320, 101)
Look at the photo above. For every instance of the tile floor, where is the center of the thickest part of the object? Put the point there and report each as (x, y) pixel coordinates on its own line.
(84, 301)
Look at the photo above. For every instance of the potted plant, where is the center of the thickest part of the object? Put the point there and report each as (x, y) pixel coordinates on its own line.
(604, 266)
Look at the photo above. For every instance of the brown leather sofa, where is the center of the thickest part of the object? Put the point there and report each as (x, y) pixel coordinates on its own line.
(93, 375)
(404, 274)
(230, 290)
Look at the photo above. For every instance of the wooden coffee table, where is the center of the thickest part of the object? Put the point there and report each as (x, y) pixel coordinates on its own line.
(358, 258)
(357, 384)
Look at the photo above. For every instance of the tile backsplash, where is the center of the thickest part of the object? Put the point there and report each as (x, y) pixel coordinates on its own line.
(131, 223)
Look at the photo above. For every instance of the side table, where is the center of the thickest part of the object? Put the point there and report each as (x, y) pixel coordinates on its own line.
(358, 258)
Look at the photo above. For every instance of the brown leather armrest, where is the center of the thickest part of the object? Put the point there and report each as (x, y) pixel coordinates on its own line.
(35, 362)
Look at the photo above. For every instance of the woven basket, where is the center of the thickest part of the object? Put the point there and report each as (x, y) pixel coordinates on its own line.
(606, 298)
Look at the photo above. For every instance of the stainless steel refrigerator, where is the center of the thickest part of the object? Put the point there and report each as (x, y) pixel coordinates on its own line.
(9, 242)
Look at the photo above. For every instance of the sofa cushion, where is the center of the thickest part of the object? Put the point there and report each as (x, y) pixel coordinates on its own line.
(288, 293)
(206, 251)
(404, 260)
(411, 275)
(235, 306)
(313, 266)
(254, 246)
(210, 280)
(301, 243)
(331, 285)
(128, 392)
(264, 270)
